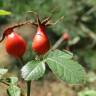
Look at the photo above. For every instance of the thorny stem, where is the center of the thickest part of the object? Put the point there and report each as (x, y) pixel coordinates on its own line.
(28, 82)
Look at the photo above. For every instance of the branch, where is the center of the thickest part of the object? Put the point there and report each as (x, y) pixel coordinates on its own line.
(89, 33)
(58, 43)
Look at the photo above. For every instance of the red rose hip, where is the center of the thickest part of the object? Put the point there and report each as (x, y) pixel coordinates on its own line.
(40, 42)
(15, 45)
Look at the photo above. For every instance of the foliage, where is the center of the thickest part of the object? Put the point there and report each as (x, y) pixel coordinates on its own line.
(79, 22)
(88, 93)
(13, 90)
(2, 72)
(60, 63)
(3, 12)
(33, 70)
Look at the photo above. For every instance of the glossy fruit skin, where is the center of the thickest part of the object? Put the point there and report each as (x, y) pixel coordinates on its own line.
(40, 42)
(15, 45)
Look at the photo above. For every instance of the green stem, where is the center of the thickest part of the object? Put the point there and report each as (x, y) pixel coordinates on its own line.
(21, 61)
(28, 88)
(28, 82)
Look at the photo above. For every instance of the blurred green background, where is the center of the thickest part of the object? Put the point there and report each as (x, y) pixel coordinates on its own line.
(79, 22)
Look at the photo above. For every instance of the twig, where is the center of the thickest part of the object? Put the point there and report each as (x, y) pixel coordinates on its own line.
(89, 33)
(58, 43)
(28, 88)
(5, 83)
(90, 11)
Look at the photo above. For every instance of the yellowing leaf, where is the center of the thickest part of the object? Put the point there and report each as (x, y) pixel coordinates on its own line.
(4, 12)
